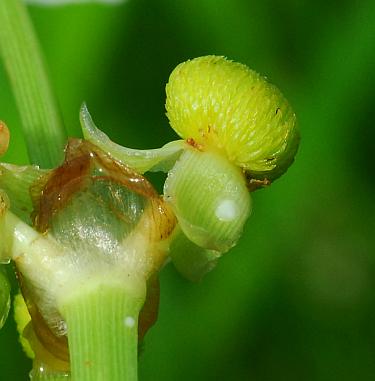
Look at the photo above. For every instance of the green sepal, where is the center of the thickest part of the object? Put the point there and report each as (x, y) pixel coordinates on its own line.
(154, 160)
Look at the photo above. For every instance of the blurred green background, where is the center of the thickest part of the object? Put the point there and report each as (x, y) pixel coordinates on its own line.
(295, 299)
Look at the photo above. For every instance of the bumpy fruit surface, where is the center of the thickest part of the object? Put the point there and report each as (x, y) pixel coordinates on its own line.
(223, 105)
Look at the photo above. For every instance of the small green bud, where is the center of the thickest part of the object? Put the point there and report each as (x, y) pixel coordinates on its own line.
(217, 103)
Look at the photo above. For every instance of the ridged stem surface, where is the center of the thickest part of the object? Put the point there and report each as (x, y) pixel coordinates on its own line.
(41, 123)
(103, 334)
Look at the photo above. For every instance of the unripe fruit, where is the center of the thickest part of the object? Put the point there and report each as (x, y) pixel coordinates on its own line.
(216, 103)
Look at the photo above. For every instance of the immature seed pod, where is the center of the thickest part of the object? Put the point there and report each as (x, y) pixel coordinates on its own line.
(241, 134)
(217, 103)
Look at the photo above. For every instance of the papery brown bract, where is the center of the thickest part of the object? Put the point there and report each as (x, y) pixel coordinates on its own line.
(55, 189)
(89, 171)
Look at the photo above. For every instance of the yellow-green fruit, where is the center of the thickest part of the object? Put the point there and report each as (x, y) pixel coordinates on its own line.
(216, 103)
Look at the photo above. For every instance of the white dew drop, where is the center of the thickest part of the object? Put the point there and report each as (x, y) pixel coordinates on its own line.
(227, 210)
(129, 322)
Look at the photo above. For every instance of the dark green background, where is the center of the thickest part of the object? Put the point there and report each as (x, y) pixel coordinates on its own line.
(295, 299)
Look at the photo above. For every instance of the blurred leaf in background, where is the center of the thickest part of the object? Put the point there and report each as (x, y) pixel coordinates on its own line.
(294, 300)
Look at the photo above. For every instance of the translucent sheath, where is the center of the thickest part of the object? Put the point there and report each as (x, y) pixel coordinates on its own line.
(209, 197)
(97, 224)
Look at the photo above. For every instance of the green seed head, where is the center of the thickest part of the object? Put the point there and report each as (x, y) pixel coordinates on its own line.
(220, 104)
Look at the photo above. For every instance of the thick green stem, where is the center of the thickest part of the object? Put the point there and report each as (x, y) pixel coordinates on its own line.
(42, 126)
(103, 334)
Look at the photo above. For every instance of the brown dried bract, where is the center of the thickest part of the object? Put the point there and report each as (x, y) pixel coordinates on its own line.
(85, 163)
(57, 346)
(150, 310)
(55, 190)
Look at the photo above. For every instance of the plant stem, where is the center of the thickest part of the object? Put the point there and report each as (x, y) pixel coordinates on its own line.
(103, 334)
(41, 122)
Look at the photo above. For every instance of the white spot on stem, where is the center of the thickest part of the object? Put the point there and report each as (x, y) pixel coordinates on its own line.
(227, 210)
(129, 321)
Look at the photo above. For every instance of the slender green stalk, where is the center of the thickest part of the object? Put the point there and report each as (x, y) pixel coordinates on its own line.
(42, 126)
(103, 334)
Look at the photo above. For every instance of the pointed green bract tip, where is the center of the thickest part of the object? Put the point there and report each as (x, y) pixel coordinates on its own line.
(215, 102)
